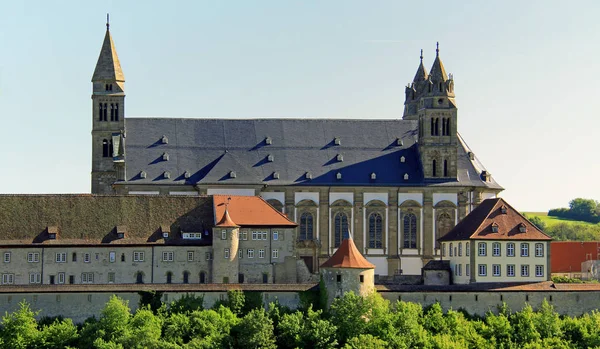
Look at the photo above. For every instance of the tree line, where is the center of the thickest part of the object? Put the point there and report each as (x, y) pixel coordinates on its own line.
(352, 322)
(580, 209)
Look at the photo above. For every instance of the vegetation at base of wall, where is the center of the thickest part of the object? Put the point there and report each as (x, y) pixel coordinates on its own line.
(569, 280)
(352, 322)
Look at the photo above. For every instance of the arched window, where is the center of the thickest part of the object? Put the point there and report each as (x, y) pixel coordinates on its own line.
(169, 277)
(186, 277)
(112, 112)
(448, 127)
(375, 231)
(117, 112)
(445, 168)
(341, 228)
(110, 87)
(104, 112)
(451, 247)
(410, 230)
(306, 226)
(106, 87)
(444, 225)
(433, 168)
(202, 277)
(432, 127)
(139, 277)
(99, 111)
(441, 87)
(105, 148)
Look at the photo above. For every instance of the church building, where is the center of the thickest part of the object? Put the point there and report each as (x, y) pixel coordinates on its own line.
(396, 185)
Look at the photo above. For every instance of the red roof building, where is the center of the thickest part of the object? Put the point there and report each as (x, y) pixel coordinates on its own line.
(249, 211)
(567, 256)
(347, 256)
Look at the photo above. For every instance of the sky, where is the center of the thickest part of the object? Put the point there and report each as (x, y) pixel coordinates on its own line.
(526, 78)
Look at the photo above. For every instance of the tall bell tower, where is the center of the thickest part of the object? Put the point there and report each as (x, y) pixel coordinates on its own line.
(430, 99)
(108, 118)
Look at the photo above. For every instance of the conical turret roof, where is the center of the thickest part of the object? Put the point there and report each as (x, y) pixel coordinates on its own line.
(108, 66)
(421, 74)
(347, 256)
(438, 72)
(226, 221)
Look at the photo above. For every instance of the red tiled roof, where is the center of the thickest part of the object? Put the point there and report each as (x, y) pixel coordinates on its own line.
(477, 225)
(250, 211)
(347, 256)
(567, 256)
(226, 221)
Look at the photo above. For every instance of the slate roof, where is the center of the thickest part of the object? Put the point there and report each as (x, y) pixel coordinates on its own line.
(210, 149)
(108, 66)
(436, 264)
(347, 256)
(478, 224)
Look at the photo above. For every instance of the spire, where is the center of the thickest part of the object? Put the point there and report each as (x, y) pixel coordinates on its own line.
(108, 66)
(347, 256)
(421, 74)
(438, 72)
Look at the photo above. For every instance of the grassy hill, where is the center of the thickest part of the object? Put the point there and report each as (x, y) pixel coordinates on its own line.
(552, 221)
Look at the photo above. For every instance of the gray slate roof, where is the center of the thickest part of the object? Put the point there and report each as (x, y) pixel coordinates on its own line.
(210, 148)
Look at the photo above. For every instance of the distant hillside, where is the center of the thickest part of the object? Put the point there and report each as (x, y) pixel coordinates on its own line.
(552, 221)
(564, 229)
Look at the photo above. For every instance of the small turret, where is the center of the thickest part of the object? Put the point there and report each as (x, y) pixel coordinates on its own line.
(226, 242)
(415, 90)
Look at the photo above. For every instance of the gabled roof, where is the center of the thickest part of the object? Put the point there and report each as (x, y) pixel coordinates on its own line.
(477, 225)
(347, 256)
(226, 221)
(249, 211)
(108, 66)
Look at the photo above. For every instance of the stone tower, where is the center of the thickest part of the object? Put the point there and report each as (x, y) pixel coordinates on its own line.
(347, 270)
(226, 241)
(108, 118)
(430, 100)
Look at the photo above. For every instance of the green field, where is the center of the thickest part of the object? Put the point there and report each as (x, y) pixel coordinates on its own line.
(551, 221)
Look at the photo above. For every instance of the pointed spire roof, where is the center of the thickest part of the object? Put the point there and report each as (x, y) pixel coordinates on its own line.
(226, 221)
(108, 66)
(421, 74)
(438, 72)
(347, 256)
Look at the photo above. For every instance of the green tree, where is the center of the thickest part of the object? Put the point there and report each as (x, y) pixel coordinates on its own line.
(366, 341)
(59, 334)
(144, 331)
(236, 301)
(311, 331)
(19, 329)
(547, 322)
(187, 303)
(255, 330)
(211, 328)
(523, 326)
(584, 209)
(538, 222)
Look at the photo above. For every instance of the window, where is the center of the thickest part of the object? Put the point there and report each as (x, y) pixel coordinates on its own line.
(265, 278)
(275, 254)
(87, 278)
(494, 227)
(524, 270)
(451, 247)
(265, 235)
(460, 270)
(138, 256)
(6, 257)
(169, 277)
(482, 269)
(111, 278)
(460, 249)
(456, 270)
(202, 277)
(510, 270)
(61, 278)
(61, 257)
(33, 257)
(8, 279)
(445, 168)
(226, 253)
(410, 230)
(444, 223)
(375, 230)
(139, 277)
(467, 249)
(86, 258)
(539, 270)
(116, 109)
(341, 228)
(250, 253)
(122, 257)
(433, 169)
(444, 249)
(338, 278)
(35, 278)
(112, 256)
(482, 249)
(74, 257)
(539, 250)
(208, 256)
(361, 278)
(240, 253)
(496, 270)
(467, 269)
(496, 249)
(223, 234)
(261, 253)
(167, 256)
(525, 249)
(186, 277)
(275, 235)
(254, 234)
(510, 249)
(190, 256)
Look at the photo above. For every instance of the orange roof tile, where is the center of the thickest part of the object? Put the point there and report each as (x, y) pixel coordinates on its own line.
(226, 221)
(347, 256)
(250, 211)
(567, 256)
(478, 224)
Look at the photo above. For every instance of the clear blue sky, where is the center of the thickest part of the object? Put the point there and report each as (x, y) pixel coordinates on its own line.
(525, 77)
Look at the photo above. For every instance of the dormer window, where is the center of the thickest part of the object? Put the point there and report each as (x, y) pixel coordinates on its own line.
(165, 234)
(522, 228)
(275, 175)
(187, 174)
(165, 157)
(121, 231)
(338, 176)
(167, 174)
(503, 209)
(340, 157)
(52, 236)
(270, 158)
(164, 140)
(337, 141)
(373, 176)
(402, 159)
(268, 141)
(486, 176)
(143, 174)
(406, 176)
(52, 232)
(308, 175)
(494, 227)
(232, 174)
(399, 142)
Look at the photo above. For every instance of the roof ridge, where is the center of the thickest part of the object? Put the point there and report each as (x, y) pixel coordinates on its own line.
(525, 218)
(486, 216)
